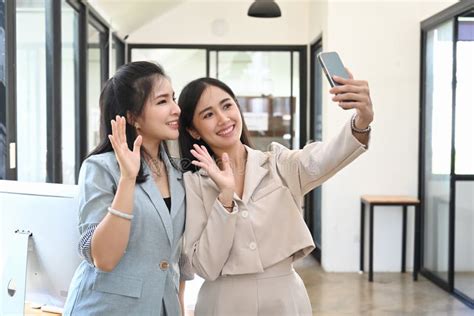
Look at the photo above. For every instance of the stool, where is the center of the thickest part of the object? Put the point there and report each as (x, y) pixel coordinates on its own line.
(389, 200)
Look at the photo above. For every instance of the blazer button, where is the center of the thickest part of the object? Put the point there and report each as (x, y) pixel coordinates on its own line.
(245, 214)
(164, 265)
(253, 245)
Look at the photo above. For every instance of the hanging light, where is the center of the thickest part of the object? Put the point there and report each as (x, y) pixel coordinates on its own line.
(264, 9)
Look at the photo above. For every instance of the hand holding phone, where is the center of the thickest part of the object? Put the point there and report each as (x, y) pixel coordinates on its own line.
(332, 66)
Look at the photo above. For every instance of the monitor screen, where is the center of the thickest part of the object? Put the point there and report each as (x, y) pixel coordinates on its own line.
(49, 212)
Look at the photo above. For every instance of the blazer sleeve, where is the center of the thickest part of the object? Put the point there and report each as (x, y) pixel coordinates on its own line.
(304, 169)
(209, 234)
(96, 192)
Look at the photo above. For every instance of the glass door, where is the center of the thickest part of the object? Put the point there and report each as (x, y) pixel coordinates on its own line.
(464, 159)
(267, 87)
(447, 154)
(437, 142)
(313, 199)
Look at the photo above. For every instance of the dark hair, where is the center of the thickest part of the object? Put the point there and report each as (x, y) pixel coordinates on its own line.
(188, 100)
(126, 93)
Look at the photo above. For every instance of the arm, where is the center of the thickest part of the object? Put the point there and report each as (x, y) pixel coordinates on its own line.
(111, 236)
(208, 238)
(318, 161)
(182, 286)
(355, 94)
(305, 169)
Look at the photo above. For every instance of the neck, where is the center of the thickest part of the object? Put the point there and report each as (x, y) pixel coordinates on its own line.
(151, 148)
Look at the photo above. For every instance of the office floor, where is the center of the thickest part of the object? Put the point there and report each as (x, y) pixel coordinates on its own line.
(389, 294)
(334, 294)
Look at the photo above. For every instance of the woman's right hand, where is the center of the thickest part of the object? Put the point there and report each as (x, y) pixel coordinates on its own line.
(129, 161)
(223, 178)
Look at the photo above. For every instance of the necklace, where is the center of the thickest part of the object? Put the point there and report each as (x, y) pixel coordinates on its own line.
(154, 164)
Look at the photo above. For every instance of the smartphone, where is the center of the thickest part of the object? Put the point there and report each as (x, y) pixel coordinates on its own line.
(332, 66)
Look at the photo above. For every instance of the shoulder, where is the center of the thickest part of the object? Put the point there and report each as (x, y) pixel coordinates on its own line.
(104, 158)
(275, 151)
(192, 178)
(101, 163)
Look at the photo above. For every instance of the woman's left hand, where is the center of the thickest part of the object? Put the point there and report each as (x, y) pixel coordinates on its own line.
(354, 94)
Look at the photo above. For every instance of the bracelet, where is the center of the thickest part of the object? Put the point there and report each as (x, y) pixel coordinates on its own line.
(359, 130)
(120, 214)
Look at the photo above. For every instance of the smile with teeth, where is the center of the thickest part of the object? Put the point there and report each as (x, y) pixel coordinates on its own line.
(173, 124)
(227, 131)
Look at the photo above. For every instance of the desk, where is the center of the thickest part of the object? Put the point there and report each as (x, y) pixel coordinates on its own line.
(389, 200)
(32, 311)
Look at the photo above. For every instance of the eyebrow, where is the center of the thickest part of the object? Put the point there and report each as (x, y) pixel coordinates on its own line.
(163, 95)
(209, 107)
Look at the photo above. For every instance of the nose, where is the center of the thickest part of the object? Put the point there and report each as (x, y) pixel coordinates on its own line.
(221, 117)
(175, 109)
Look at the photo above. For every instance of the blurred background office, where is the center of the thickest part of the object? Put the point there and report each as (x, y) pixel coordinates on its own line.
(418, 57)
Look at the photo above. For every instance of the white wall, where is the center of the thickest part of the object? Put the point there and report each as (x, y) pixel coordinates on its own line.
(380, 42)
(225, 22)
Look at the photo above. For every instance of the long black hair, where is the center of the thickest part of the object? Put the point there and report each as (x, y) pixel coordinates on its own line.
(188, 100)
(127, 93)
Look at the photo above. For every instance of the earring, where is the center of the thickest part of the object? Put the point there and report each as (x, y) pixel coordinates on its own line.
(136, 125)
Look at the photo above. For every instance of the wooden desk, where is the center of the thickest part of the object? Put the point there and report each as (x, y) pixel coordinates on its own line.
(32, 311)
(389, 200)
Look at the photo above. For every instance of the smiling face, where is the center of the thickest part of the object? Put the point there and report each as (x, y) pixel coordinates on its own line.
(217, 119)
(159, 119)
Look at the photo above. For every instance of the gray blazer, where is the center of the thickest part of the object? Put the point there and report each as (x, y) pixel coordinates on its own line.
(142, 281)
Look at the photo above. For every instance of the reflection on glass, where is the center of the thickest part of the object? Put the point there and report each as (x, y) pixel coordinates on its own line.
(93, 87)
(213, 64)
(465, 97)
(263, 78)
(464, 238)
(438, 111)
(113, 58)
(316, 131)
(31, 90)
(68, 25)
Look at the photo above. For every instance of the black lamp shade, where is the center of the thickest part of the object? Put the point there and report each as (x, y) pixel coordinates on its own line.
(264, 9)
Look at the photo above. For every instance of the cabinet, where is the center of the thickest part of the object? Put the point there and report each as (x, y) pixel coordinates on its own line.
(268, 119)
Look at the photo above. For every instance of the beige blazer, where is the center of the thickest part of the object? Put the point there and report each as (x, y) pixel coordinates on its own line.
(266, 225)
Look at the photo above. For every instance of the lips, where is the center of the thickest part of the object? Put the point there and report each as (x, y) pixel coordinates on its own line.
(173, 124)
(226, 131)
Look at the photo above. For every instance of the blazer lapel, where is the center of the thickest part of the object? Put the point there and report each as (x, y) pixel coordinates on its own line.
(175, 178)
(154, 195)
(254, 172)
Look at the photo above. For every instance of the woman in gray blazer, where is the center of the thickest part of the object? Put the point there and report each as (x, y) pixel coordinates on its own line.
(131, 202)
(244, 228)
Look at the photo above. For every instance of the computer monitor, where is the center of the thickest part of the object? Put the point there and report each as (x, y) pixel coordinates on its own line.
(49, 212)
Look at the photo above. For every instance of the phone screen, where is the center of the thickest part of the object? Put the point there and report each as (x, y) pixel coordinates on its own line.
(332, 66)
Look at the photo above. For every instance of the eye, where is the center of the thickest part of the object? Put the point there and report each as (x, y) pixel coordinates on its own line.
(207, 115)
(162, 101)
(226, 106)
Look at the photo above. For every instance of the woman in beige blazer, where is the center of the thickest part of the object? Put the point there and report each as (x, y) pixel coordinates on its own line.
(244, 227)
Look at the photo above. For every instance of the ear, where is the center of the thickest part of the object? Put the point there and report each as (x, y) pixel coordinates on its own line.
(131, 120)
(194, 134)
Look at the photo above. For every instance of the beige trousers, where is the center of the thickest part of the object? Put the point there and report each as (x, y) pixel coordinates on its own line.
(278, 290)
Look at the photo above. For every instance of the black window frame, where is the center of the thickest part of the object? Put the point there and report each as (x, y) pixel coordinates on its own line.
(450, 14)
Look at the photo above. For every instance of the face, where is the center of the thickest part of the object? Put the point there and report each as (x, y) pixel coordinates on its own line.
(159, 119)
(217, 119)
